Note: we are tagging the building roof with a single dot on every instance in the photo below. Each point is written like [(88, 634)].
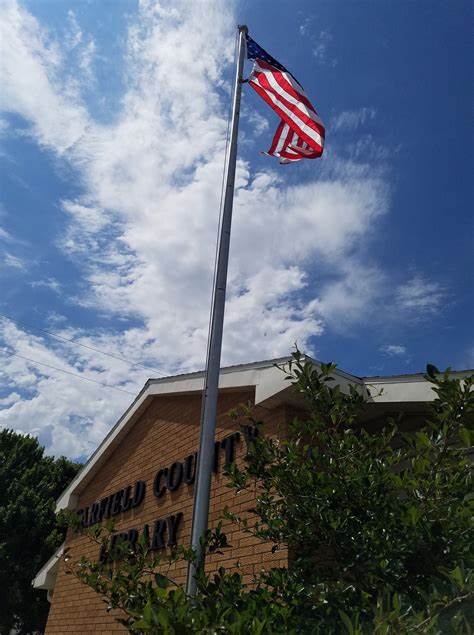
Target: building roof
[(384, 393), (271, 389), (46, 576)]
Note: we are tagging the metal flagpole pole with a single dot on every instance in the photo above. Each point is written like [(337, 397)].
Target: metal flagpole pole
[(211, 386)]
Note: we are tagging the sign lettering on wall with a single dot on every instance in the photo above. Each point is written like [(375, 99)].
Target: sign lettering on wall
[(163, 532)]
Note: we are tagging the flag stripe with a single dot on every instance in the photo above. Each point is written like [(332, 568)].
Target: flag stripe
[(288, 146), (268, 82), (278, 139), (290, 86), (272, 102), (309, 135)]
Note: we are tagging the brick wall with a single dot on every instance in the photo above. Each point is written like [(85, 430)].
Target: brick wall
[(167, 431)]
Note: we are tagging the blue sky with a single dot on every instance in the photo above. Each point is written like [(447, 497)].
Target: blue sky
[(113, 126)]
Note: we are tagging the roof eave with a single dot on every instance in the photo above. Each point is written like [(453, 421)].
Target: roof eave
[(46, 576)]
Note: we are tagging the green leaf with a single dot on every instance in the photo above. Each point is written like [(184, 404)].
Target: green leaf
[(431, 370), (163, 618), (465, 436), (141, 625), (457, 577), (347, 622), (161, 581), (148, 612)]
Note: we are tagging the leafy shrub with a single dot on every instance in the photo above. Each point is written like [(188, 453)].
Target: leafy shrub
[(378, 525)]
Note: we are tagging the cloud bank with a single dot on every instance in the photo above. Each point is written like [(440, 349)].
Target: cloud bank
[(142, 233)]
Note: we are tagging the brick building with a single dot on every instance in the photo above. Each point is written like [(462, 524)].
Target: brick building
[(142, 474)]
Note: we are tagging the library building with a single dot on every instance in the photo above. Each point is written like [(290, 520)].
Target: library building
[(142, 475)]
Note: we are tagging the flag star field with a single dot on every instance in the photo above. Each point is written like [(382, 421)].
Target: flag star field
[(113, 128)]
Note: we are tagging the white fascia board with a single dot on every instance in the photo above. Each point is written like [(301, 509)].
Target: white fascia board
[(187, 385), (400, 391), (46, 576), (404, 388), (273, 381), (267, 380)]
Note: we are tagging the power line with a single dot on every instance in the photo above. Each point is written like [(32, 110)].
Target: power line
[(68, 372), (91, 348)]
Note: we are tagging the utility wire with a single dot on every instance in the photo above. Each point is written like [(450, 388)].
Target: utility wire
[(67, 372), (91, 348)]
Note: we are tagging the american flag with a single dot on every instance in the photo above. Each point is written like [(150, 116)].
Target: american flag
[(300, 134)]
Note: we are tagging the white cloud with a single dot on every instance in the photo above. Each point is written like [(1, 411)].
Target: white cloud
[(74, 32), (4, 127), (257, 121), (143, 232), (321, 41), (322, 47), (14, 262), (393, 350), (352, 298), (78, 413), (10, 399), (29, 64), (83, 50), (352, 119), (420, 296), (365, 148), (305, 25), (5, 235), (48, 283), (55, 318), (86, 59)]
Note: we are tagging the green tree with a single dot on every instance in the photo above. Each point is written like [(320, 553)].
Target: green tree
[(29, 534), (378, 525)]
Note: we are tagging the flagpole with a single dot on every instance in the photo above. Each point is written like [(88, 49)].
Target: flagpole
[(211, 386)]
